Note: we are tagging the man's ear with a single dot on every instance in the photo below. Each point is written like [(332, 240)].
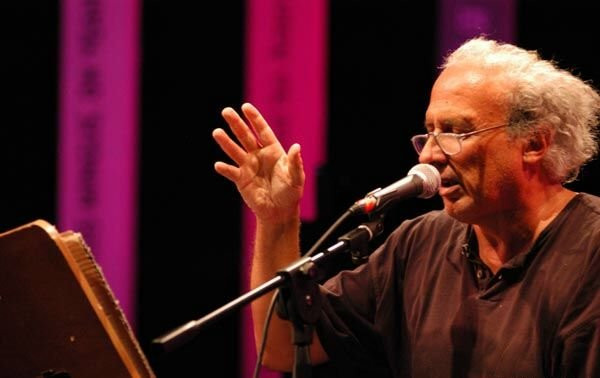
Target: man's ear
[(536, 146)]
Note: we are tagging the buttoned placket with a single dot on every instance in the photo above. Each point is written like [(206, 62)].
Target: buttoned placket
[(483, 274)]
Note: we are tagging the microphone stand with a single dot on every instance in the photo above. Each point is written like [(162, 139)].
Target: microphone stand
[(299, 299)]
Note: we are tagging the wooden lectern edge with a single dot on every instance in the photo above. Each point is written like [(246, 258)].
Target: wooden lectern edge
[(50, 229), (133, 366)]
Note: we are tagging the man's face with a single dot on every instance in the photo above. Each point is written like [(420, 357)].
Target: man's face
[(481, 181)]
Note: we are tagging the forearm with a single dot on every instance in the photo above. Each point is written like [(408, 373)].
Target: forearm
[(276, 246)]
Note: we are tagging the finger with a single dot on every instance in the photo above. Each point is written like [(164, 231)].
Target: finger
[(235, 152), (296, 167), (264, 132), (241, 131), (228, 171)]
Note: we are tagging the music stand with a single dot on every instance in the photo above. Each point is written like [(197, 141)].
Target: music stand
[(58, 316)]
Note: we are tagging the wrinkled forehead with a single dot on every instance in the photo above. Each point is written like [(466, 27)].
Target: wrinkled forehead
[(470, 93), (460, 76)]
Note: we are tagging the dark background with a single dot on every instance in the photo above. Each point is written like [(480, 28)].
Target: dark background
[(382, 64)]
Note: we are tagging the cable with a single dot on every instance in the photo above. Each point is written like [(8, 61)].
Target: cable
[(265, 332), (271, 308), (328, 233)]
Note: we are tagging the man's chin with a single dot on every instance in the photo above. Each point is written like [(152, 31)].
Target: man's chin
[(458, 208)]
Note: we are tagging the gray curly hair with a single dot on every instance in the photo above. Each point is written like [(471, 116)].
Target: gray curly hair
[(544, 99)]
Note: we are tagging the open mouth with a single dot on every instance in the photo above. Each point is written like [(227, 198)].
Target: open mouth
[(449, 186), (448, 182)]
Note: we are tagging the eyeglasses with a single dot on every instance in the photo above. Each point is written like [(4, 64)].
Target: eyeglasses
[(449, 143)]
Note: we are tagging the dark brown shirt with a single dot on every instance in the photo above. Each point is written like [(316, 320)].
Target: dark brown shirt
[(424, 305)]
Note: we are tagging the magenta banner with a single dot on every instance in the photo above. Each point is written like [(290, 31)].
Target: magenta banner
[(464, 19), (285, 77), (98, 119), (286, 65)]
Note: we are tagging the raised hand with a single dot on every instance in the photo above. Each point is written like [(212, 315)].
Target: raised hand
[(270, 180)]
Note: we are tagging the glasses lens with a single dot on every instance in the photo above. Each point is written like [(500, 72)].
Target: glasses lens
[(419, 142), (449, 143)]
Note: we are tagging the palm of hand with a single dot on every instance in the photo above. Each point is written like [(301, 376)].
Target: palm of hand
[(269, 179), (266, 184)]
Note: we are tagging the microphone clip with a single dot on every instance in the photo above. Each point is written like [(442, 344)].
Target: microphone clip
[(358, 239)]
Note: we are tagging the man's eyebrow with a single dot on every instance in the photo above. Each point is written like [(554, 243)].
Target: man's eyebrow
[(461, 126), (456, 125)]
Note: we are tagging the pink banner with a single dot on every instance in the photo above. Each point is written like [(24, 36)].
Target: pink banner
[(464, 19), (286, 66), (98, 135)]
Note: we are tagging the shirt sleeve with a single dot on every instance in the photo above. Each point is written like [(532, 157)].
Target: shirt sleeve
[(352, 319), (578, 351), (581, 352), (362, 317)]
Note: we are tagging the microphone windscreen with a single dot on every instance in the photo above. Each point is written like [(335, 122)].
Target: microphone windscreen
[(431, 179)]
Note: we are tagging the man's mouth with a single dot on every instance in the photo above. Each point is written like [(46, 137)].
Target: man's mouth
[(448, 185), (448, 182)]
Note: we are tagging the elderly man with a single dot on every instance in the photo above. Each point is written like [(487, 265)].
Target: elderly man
[(503, 282)]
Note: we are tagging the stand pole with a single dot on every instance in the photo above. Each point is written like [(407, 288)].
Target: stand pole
[(299, 299)]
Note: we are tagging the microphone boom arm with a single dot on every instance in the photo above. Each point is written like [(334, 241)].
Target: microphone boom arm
[(306, 268)]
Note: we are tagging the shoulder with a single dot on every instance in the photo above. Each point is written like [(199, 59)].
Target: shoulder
[(578, 264), (433, 231), (574, 250), (588, 203), (579, 224)]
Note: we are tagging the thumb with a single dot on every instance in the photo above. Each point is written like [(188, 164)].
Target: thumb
[(296, 166)]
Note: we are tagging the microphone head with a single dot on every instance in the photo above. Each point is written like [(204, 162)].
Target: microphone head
[(431, 179)]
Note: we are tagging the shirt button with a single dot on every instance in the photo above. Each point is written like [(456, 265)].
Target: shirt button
[(499, 276), (479, 274)]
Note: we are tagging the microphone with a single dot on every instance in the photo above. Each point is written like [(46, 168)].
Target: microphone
[(423, 181)]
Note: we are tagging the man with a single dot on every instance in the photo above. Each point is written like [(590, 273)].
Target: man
[(504, 281)]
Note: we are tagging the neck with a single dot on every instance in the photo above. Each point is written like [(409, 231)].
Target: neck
[(514, 232)]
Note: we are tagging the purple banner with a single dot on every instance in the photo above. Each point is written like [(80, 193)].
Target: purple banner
[(464, 19), (286, 65), (98, 120)]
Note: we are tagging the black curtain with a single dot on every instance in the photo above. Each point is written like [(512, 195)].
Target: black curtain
[(381, 69)]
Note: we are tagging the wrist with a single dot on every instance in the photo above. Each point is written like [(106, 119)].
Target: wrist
[(279, 225)]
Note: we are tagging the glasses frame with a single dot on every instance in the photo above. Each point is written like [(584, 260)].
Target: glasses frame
[(458, 137)]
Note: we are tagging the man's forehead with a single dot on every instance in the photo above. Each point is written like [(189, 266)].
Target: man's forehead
[(464, 76)]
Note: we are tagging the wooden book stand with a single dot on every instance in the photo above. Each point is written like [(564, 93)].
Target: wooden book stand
[(58, 316)]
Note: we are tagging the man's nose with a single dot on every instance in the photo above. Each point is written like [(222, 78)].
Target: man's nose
[(432, 153)]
